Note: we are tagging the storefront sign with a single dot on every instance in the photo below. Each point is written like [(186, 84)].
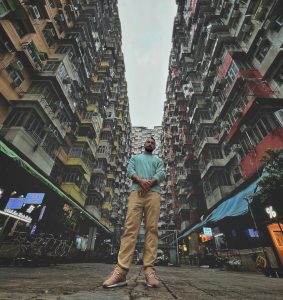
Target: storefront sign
[(34, 198), (15, 214), (207, 231), (15, 203), (271, 212)]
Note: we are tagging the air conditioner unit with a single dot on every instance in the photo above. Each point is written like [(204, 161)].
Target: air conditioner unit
[(52, 32), (19, 65), (8, 46), (59, 104), (61, 17), (235, 14), (267, 24), (26, 44), (225, 145), (43, 56), (224, 125), (236, 148), (259, 41), (217, 61), (213, 36), (48, 128), (243, 128), (16, 82), (71, 7), (246, 27), (34, 12), (236, 112), (55, 133), (67, 80), (279, 116)]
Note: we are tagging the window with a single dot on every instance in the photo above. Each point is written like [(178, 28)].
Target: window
[(51, 66), (15, 75), (246, 144), (220, 179), (101, 149), (206, 188), (35, 127), (36, 88), (215, 153), (278, 77), (236, 173), (3, 9), (73, 176), (209, 131), (232, 73), (50, 146), (261, 128), (204, 115), (100, 164), (263, 49), (76, 151), (279, 117), (63, 49), (19, 27), (50, 35), (16, 118)]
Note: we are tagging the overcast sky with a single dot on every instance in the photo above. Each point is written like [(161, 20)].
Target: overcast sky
[(146, 35)]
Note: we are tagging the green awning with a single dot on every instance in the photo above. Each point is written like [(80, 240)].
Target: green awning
[(25, 165)]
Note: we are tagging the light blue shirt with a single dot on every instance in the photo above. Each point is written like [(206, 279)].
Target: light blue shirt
[(146, 166)]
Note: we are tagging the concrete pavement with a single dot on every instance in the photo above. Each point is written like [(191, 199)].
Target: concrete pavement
[(83, 282)]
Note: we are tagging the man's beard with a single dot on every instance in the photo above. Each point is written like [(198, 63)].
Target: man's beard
[(148, 149)]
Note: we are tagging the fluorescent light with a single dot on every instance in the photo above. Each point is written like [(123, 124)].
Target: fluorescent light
[(219, 234), (13, 216)]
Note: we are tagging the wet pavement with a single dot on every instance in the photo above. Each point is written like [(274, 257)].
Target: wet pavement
[(83, 282)]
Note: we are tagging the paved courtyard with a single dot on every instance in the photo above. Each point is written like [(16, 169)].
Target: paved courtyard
[(83, 282)]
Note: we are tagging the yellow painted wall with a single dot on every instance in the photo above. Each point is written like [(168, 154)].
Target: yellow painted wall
[(74, 191)]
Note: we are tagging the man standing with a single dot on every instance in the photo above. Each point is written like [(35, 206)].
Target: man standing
[(146, 172)]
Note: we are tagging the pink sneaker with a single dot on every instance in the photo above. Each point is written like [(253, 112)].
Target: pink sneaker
[(117, 278)]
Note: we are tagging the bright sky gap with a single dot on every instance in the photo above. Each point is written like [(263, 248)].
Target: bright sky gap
[(146, 34)]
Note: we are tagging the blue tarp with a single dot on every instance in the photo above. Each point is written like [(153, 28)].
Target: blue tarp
[(232, 207)]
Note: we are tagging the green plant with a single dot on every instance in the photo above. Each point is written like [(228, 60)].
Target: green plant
[(271, 183)]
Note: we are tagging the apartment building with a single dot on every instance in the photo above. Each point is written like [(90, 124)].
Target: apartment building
[(223, 108), (63, 98)]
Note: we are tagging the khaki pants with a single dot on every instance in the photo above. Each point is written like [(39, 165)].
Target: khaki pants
[(149, 204)]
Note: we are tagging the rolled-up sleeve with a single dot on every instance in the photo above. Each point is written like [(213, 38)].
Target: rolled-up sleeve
[(160, 173), (131, 168)]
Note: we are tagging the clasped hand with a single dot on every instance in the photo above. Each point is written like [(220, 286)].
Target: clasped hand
[(145, 184)]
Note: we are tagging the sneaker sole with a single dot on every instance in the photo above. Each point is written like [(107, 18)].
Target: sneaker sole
[(150, 286), (120, 284)]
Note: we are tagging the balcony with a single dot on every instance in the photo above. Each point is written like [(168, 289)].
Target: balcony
[(218, 194), (31, 99), (215, 163), (62, 79), (204, 142), (33, 55), (32, 146), (75, 191), (79, 156), (181, 179), (94, 120), (185, 208), (91, 144)]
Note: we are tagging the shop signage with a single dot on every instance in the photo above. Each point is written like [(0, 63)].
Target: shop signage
[(15, 203), (207, 231), (17, 215), (34, 198), (271, 212)]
